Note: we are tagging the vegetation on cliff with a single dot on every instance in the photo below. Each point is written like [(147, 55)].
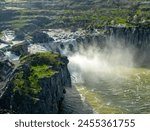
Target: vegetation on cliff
[(77, 14), (33, 68)]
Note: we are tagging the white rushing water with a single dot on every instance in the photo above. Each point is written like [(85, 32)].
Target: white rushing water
[(3, 45), (12, 56), (34, 48), (8, 35)]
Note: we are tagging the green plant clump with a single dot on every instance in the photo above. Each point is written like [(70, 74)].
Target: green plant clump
[(46, 58)]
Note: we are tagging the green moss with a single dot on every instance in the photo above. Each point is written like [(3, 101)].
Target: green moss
[(19, 82), (120, 20), (26, 86), (42, 71)]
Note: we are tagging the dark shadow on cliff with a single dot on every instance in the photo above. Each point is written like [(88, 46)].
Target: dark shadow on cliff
[(73, 104)]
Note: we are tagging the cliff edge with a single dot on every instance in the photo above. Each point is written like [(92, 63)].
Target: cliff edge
[(38, 84)]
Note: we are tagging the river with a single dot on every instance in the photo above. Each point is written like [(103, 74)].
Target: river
[(111, 85), (128, 93)]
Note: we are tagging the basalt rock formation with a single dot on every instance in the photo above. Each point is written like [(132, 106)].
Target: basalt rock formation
[(38, 85), (138, 36)]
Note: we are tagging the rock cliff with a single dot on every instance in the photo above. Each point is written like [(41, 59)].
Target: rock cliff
[(138, 36), (38, 85)]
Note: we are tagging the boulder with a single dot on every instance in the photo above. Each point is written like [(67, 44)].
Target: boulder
[(40, 37), (20, 49)]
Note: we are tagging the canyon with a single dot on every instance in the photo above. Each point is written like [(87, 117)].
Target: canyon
[(66, 57)]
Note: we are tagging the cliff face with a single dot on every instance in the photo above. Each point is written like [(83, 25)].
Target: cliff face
[(93, 38), (37, 89), (53, 90), (138, 36), (134, 38)]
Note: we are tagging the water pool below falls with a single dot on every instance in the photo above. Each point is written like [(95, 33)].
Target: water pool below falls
[(123, 90)]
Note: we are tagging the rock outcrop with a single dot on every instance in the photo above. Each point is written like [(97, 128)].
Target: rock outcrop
[(38, 85), (20, 49), (40, 37)]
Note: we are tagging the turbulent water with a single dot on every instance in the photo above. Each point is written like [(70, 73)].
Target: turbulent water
[(110, 82), (128, 93)]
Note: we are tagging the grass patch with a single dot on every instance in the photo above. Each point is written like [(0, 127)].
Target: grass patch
[(47, 58), (19, 23), (42, 71)]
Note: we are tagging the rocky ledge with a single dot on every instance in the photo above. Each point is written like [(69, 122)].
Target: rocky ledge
[(38, 84)]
